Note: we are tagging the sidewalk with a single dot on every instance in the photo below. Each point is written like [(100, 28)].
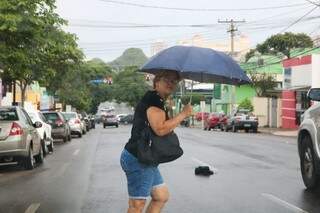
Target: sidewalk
[(279, 132)]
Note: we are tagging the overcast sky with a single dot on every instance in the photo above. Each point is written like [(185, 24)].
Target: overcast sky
[(89, 20)]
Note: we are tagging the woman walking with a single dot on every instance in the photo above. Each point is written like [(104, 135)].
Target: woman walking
[(146, 180)]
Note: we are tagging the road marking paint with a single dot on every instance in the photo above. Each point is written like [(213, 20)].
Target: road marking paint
[(283, 203), (32, 208), (76, 152), (215, 170)]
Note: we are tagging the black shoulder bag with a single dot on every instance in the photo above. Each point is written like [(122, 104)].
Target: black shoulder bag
[(153, 149)]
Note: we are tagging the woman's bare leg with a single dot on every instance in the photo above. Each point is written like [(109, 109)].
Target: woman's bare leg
[(160, 196)]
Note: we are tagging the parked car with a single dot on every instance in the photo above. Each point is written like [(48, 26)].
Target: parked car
[(83, 124), (86, 121), (128, 119), (215, 120), (120, 116), (185, 122), (92, 121), (44, 131), (60, 127), (199, 116), (110, 120), (74, 122), (242, 120), (19, 139), (308, 142)]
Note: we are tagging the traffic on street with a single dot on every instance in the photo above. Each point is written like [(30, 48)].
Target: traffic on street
[(252, 173), (159, 106)]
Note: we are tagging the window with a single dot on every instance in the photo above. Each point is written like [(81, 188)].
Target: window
[(26, 117), (8, 114)]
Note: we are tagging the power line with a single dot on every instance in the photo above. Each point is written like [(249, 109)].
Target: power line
[(145, 26), (314, 3), (200, 9), (299, 19)]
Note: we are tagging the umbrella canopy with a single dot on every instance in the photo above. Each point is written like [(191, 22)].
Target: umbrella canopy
[(198, 64)]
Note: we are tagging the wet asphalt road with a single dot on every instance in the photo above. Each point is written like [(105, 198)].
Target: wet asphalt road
[(256, 173)]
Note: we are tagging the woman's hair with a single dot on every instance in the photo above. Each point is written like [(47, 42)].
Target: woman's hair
[(163, 73)]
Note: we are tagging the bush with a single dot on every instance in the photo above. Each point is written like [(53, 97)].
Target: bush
[(246, 104)]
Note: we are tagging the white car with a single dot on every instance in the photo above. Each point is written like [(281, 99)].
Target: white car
[(44, 131), (309, 142), (74, 123), (119, 116)]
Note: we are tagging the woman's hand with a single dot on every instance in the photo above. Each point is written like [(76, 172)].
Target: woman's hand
[(187, 110)]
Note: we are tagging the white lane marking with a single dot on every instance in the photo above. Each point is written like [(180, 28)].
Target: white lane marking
[(32, 208), (76, 152), (215, 170), (283, 203)]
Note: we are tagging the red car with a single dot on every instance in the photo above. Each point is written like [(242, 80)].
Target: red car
[(199, 116), (215, 120)]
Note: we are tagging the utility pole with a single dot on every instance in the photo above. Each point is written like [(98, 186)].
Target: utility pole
[(232, 31)]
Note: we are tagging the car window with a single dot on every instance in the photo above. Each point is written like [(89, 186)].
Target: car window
[(8, 114), (42, 117), (32, 116), (26, 116), (69, 116), (51, 116)]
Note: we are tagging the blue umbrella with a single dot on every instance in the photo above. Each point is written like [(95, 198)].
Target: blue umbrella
[(198, 64)]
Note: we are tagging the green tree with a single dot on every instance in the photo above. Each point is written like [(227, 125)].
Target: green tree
[(249, 55), (32, 45), (284, 43), (246, 104), (129, 86), (262, 82)]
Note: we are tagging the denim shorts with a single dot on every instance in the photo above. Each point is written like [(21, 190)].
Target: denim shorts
[(141, 178)]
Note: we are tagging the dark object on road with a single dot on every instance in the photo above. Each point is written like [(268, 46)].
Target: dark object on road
[(203, 170), (198, 64)]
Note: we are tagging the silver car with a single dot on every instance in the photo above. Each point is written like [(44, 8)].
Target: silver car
[(19, 139), (74, 122), (309, 142)]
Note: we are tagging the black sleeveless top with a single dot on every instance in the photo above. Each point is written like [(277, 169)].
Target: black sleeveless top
[(151, 98)]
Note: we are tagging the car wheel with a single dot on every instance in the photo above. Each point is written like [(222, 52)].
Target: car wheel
[(29, 160), (39, 157), (246, 130), (117, 125), (50, 147), (65, 138), (308, 164), (104, 126), (44, 148), (234, 128)]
